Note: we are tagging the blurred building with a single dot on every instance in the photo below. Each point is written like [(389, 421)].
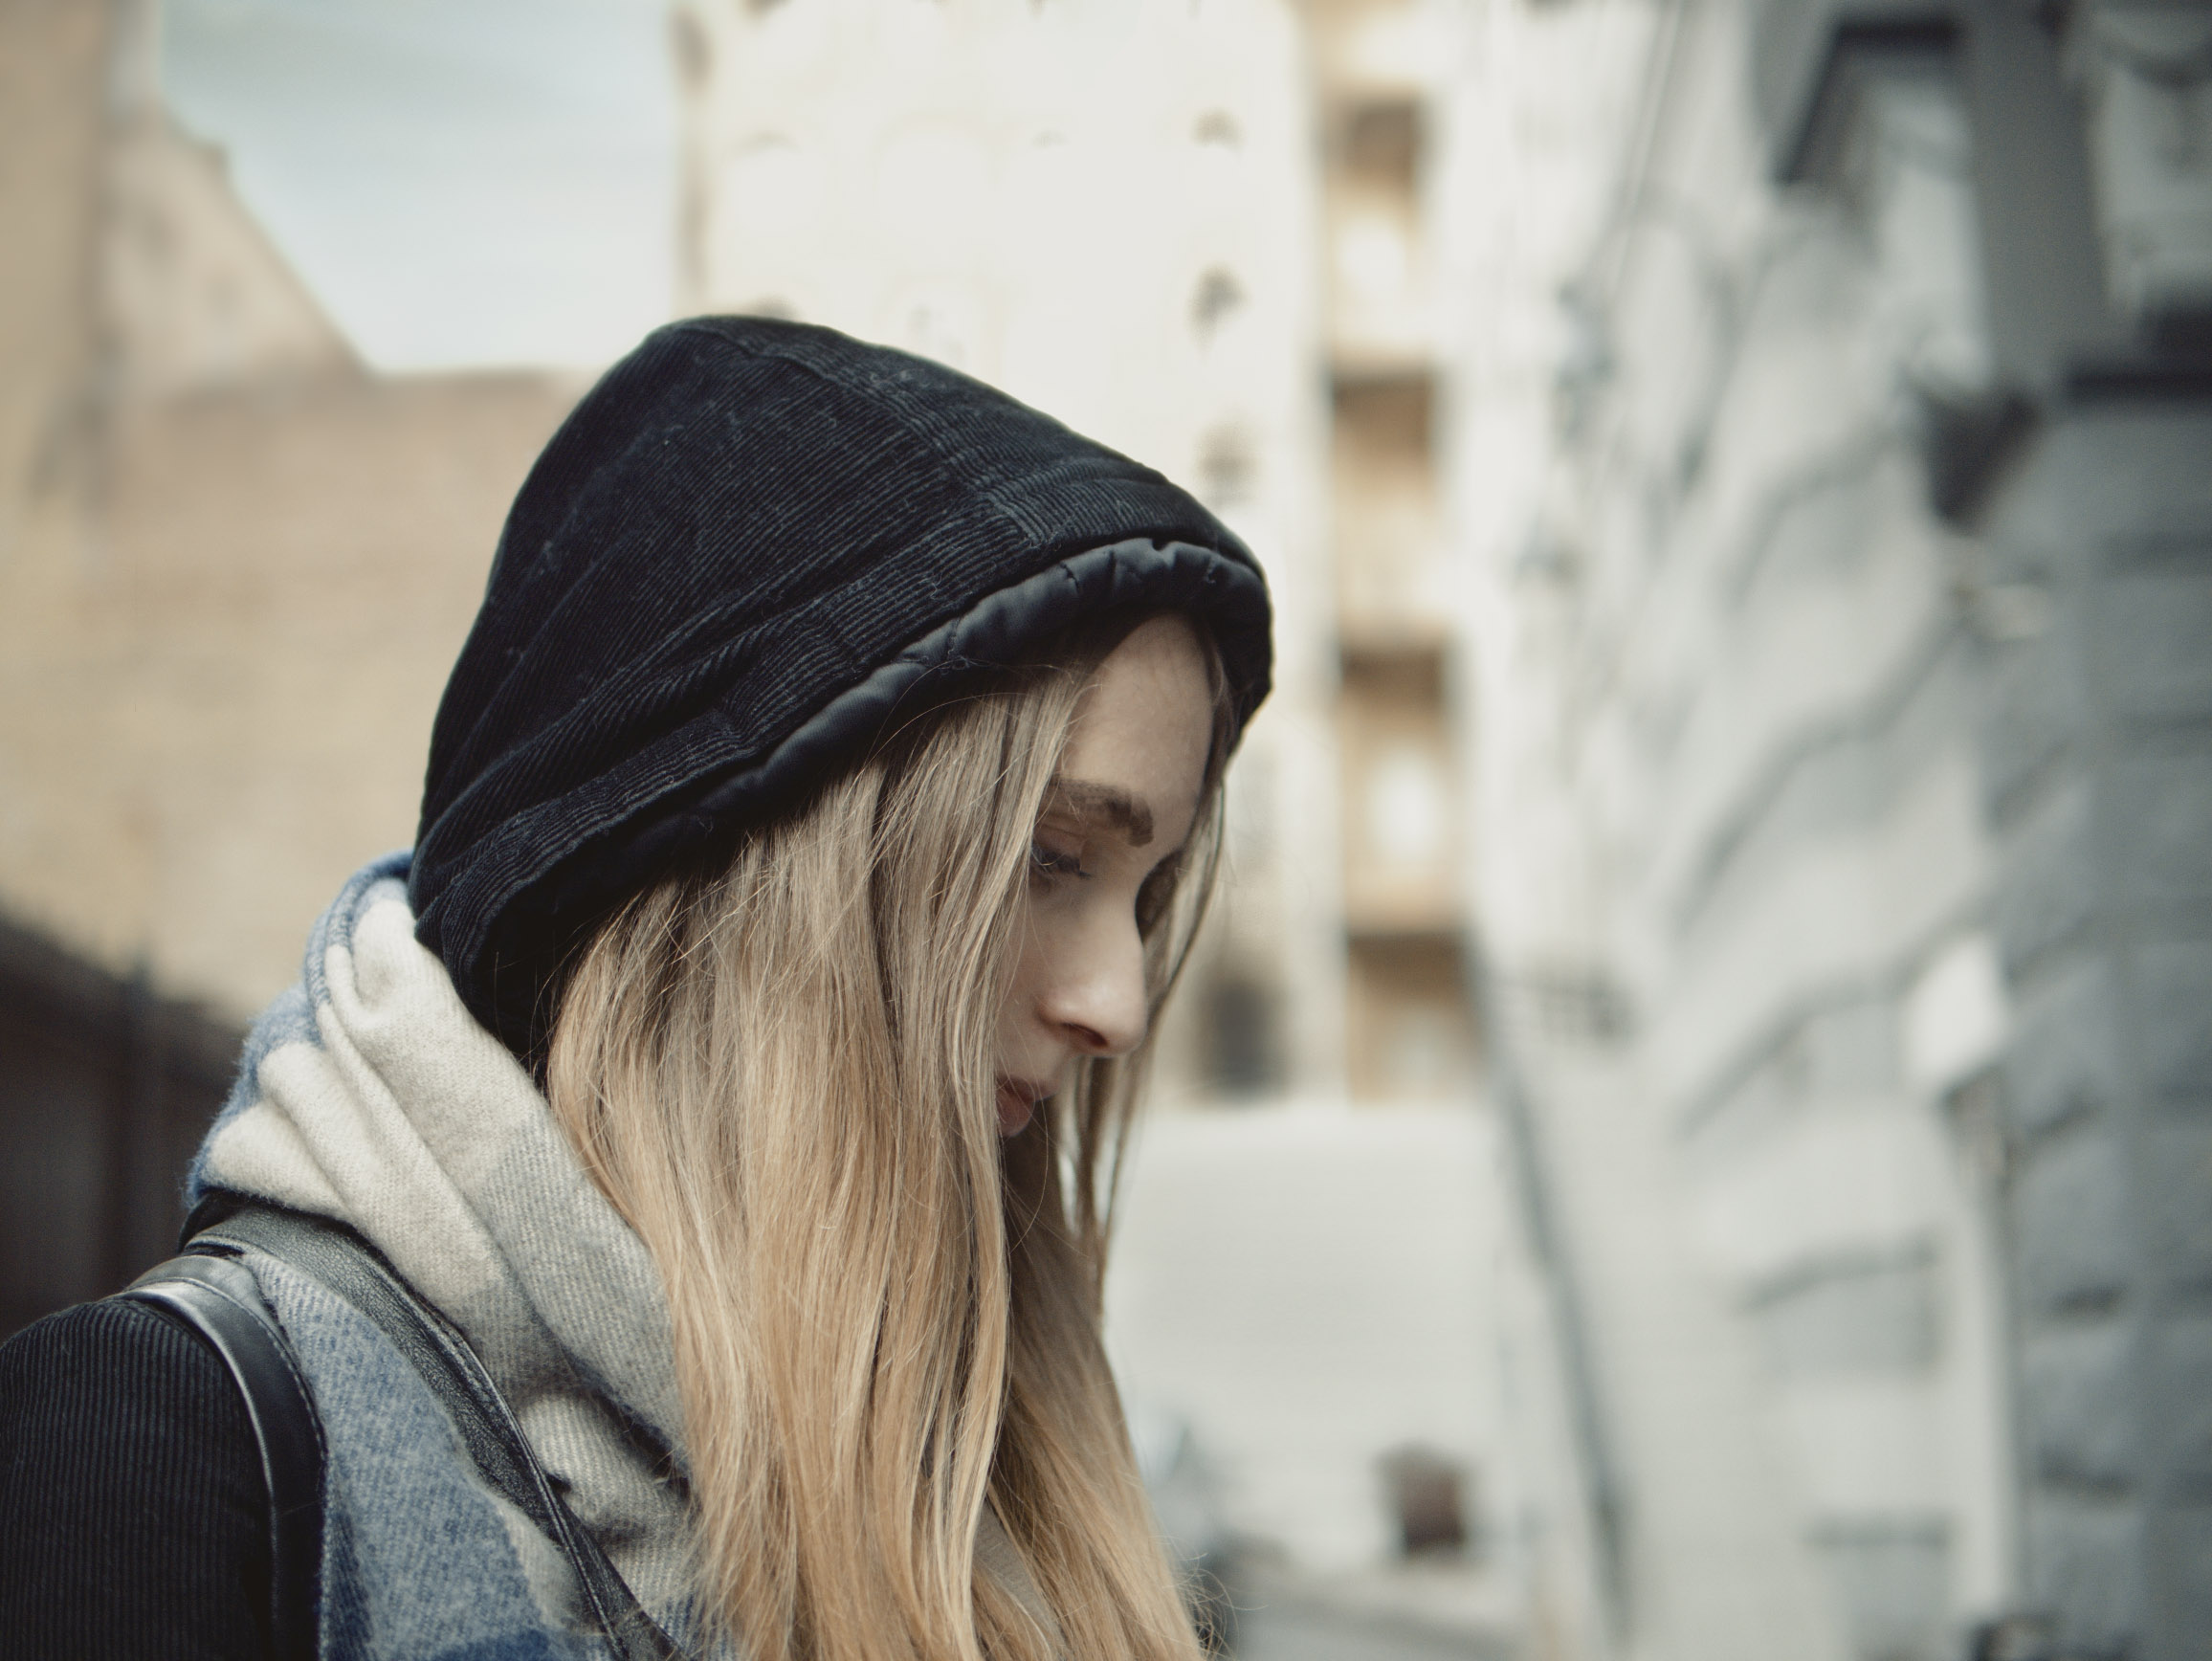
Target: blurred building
[(1694, 1137), (1397, 627), (235, 569), (1828, 439)]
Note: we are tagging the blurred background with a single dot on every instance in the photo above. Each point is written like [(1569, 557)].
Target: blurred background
[(1691, 1135)]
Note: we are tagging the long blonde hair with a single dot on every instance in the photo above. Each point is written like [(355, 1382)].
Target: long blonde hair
[(780, 1072)]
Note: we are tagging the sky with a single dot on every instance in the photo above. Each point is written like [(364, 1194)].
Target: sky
[(463, 182)]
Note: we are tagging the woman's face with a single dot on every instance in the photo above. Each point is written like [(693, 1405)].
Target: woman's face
[(1120, 808)]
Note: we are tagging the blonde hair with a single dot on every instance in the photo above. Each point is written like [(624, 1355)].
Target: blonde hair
[(781, 1071)]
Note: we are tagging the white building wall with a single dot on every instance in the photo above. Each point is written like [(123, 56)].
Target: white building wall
[(1726, 728)]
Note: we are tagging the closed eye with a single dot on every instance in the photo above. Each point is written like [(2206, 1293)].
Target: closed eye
[(1046, 862)]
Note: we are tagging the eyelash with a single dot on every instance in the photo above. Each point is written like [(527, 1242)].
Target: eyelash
[(1046, 864)]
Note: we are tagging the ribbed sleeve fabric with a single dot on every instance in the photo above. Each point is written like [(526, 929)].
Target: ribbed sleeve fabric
[(133, 1521)]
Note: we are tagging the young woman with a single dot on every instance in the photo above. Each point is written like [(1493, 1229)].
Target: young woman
[(737, 1064)]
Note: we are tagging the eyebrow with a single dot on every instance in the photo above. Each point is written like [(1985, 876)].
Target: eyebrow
[(1117, 806)]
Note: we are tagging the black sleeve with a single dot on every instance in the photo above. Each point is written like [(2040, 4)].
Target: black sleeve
[(133, 1521)]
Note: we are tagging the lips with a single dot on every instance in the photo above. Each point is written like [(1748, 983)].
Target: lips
[(1018, 1099)]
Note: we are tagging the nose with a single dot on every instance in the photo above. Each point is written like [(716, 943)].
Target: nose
[(1096, 997)]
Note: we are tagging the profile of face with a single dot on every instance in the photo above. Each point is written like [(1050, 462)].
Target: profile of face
[(1119, 808)]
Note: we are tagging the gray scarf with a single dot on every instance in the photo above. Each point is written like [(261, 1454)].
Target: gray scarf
[(368, 1094)]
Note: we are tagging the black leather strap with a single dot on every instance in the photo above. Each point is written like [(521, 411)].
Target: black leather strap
[(353, 1269), (218, 1299)]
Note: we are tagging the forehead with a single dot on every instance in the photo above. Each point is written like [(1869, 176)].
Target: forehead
[(1141, 733)]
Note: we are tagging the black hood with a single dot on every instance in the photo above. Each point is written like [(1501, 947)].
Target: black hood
[(746, 544)]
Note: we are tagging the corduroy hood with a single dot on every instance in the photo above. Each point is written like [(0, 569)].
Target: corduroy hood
[(746, 544)]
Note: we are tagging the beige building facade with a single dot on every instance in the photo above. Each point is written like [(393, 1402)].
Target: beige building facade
[(234, 565)]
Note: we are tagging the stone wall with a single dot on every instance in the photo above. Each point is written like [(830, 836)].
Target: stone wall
[(2099, 779)]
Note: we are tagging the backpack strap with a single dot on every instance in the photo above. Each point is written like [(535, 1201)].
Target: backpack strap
[(350, 1267), (220, 1301)]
